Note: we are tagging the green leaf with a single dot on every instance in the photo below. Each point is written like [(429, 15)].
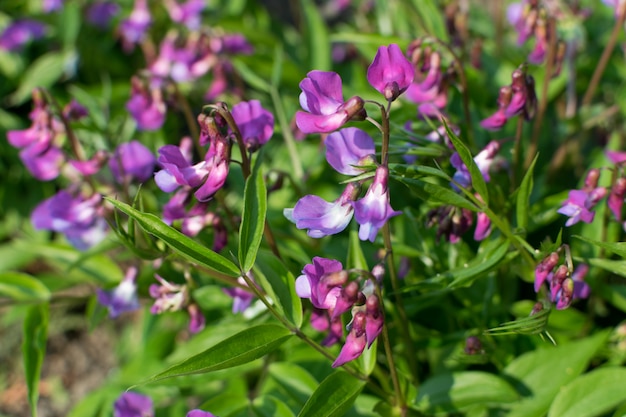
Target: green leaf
[(495, 253), (180, 243), (250, 76), (522, 207), (592, 394), (296, 381), (431, 19), (34, 349), (356, 257), (23, 287), (333, 397), (280, 284), (433, 192), (43, 72), (317, 36), (534, 324), (544, 371), (241, 348), (478, 181), (417, 171), (69, 24), (454, 391), (253, 219), (618, 248), (617, 267), (268, 406)]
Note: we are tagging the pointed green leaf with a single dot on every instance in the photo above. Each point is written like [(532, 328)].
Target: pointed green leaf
[(356, 257), (23, 287), (43, 72), (559, 365), (249, 76), (522, 207), (317, 36), (495, 253), (428, 191), (534, 324), (268, 406), (295, 380), (334, 396), (253, 219), (592, 394), (241, 348), (455, 391), (280, 284), (180, 243), (34, 349), (618, 248), (417, 171), (478, 181)]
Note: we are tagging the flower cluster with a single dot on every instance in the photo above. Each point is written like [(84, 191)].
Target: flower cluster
[(564, 284), (429, 90), (327, 285), (515, 99)]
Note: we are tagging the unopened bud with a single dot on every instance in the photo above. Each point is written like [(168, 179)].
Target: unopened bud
[(591, 180), (505, 95)]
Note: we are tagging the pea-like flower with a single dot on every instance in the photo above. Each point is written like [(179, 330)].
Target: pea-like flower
[(349, 148), (132, 161), (255, 124), (322, 100), (132, 404), (390, 73), (19, 33), (373, 210), (123, 297)]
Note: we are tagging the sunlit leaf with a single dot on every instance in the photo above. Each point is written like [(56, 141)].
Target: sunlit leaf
[(252, 219), (34, 349), (334, 396)]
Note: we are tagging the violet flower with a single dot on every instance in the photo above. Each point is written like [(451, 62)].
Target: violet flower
[(131, 404), (147, 107), (134, 28), (241, 298), (51, 5), (349, 148), (182, 57), (100, 13), (168, 296), (373, 210), (132, 161), (199, 413), (544, 269), (123, 297), (322, 100), (579, 205), (77, 217), (197, 321), (390, 73), (255, 124), (320, 217), (483, 226), (308, 285), (188, 13), (616, 198), (19, 33), (484, 160)]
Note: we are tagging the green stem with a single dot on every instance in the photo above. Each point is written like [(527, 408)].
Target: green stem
[(296, 163)]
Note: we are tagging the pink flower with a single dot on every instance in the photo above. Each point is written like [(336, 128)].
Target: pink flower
[(390, 73)]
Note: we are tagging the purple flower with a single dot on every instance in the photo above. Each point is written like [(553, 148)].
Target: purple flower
[(390, 73), (218, 165), (484, 160), (19, 33), (373, 210), (77, 217), (616, 198), (348, 148), (308, 285), (131, 404), (177, 169), (581, 288), (242, 298), (255, 124), (187, 13), (577, 208), (320, 217), (168, 296), (322, 98), (483, 226), (146, 107), (196, 318), (544, 269), (122, 298), (90, 166), (199, 413), (132, 161), (134, 28), (100, 13), (374, 319), (182, 57), (355, 341), (43, 160), (51, 5)]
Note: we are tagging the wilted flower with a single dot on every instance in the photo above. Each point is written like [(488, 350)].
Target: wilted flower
[(322, 98)]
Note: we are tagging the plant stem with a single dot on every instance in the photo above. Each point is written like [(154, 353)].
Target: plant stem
[(543, 103), (296, 163), (517, 153), (604, 59)]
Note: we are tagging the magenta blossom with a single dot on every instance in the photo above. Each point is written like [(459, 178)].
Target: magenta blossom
[(322, 218), (122, 298), (199, 413), (355, 341), (242, 298), (322, 100), (255, 124), (308, 285), (373, 210), (146, 106), (131, 404), (484, 160), (134, 28), (188, 13), (100, 13), (132, 161), (576, 209), (19, 33), (390, 73), (348, 148)]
